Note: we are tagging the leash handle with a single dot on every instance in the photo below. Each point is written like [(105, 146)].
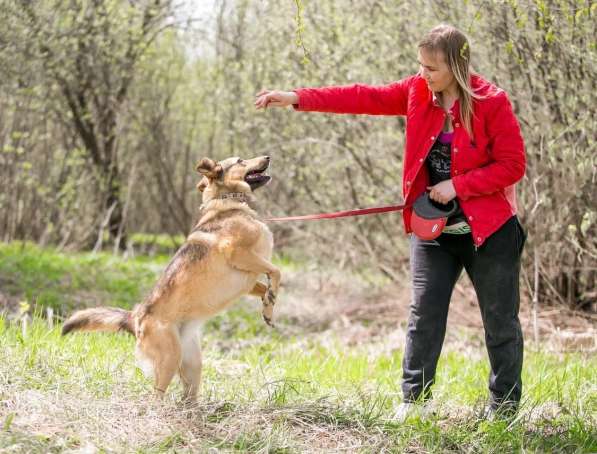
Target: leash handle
[(342, 214)]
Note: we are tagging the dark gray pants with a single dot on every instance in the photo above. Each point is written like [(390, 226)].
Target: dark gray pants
[(494, 271)]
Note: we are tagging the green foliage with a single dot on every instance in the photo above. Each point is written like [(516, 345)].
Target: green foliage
[(300, 29), (152, 244)]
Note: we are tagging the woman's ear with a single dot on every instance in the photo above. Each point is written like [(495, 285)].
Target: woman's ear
[(202, 184), (209, 168)]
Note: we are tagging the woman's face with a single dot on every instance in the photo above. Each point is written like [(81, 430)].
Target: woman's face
[(435, 70)]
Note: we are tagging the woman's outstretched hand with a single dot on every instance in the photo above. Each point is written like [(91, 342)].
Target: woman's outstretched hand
[(275, 98)]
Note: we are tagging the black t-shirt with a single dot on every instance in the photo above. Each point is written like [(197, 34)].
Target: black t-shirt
[(438, 163)]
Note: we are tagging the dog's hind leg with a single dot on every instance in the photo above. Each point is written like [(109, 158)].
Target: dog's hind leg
[(162, 347), (190, 368)]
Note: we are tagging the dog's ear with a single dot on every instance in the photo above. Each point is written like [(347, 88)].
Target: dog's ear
[(205, 165), (209, 168), (202, 184)]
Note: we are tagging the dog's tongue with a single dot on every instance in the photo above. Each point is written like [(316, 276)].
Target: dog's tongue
[(255, 176)]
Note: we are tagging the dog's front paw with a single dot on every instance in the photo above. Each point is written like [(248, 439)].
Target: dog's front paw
[(269, 300), (268, 318)]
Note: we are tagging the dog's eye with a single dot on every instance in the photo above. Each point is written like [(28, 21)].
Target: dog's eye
[(240, 161)]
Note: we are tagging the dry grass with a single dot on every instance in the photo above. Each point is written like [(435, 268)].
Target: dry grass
[(123, 423)]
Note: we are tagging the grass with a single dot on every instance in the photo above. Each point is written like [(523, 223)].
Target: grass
[(48, 278), (288, 389)]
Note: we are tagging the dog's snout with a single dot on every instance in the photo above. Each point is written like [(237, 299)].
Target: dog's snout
[(267, 158)]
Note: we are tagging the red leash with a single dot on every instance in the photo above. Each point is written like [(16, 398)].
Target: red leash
[(342, 214)]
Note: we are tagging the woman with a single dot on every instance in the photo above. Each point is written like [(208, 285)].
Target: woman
[(463, 142)]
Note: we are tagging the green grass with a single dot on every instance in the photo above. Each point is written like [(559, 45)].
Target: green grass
[(269, 392), (153, 244), (47, 278), (264, 390)]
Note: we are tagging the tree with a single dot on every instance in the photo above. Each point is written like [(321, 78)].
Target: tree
[(87, 52)]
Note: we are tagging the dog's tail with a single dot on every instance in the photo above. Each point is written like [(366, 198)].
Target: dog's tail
[(109, 319)]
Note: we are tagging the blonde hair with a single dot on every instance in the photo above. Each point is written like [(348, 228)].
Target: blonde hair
[(454, 46)]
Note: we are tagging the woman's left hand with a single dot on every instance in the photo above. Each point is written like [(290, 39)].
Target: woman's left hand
[(442, 192)]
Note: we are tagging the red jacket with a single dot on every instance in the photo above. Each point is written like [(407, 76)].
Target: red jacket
[(484, 169)]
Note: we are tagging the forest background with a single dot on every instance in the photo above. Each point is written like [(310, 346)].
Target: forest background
[(105, 106)]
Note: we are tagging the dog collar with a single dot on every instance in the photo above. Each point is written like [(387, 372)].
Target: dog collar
[(240, 196)]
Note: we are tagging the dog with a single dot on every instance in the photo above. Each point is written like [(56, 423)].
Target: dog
[(221, 260)]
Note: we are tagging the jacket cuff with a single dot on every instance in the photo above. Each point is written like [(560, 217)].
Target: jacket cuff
[(300, 104), (460, 187)]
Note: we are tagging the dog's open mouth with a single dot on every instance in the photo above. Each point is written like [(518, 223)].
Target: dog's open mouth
[(257, 178)]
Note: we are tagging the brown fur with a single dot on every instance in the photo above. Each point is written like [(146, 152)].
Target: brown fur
[(221, 260)]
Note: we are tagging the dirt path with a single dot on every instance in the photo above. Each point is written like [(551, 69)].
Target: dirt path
[(335, 300)]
